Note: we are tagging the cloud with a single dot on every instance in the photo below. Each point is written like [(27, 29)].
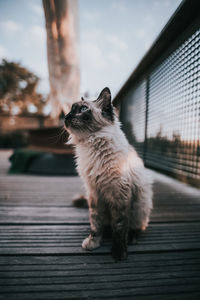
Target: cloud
[(119, 6), (141, 33), (37, 9), (116, 42), (10, 26), (107, 40), (93, 55), (41, 68), (167, 3), (38, 33), (90, 16), (94, 35), (102, 54), (92, 49), (36, 39), (144, 37), (114, 57), (3, 52), (149, 22), (99, 50)]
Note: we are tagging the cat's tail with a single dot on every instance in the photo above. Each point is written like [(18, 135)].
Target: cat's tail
[(80, 202)]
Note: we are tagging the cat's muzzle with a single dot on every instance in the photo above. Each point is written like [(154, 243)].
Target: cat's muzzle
[(68, 119)]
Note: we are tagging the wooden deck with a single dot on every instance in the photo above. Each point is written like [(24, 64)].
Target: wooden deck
[(41, 234)]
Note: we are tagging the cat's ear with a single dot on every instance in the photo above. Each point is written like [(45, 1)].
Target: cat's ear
[(105, 95), (104, 101)]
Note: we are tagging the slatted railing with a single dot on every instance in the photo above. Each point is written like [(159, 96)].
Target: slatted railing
[(160, 103)]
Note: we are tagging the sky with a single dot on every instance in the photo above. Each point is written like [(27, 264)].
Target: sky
[(114, 36)]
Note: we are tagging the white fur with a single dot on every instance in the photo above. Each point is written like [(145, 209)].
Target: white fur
[(112, 170)]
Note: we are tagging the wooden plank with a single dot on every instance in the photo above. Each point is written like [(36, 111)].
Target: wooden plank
[(101, 260), (63, 249), (45, 215), (105, 285), (139, 267), (84, 272), (153, 230), (58, 293), (50, 278), (77, 238), (104, 268), (180, 296), (68, 239), (17, 215)]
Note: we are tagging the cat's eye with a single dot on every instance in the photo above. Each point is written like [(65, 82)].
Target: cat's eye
[(83, 108)]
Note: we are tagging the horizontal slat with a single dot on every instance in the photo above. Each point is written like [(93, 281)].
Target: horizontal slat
[(68, 239), (92, 259), (48, 215), (92, 286), (58, 293), (76, 249)]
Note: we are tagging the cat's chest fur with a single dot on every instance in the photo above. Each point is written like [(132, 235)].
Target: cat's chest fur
[(98, 159), (93, 158)]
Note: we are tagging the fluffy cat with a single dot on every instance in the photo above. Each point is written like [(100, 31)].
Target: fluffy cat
[(119, 192)]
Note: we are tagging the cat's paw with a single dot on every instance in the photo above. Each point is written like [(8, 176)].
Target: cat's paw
[(91, 243), (119, 252)]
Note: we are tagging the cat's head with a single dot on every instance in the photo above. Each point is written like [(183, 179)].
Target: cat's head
[(90, 116)]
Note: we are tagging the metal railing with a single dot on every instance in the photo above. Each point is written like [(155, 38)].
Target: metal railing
[(160, 102)]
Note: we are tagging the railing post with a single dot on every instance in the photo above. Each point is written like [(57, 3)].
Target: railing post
[(146, 118)]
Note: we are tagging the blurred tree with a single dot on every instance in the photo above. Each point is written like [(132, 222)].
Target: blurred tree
[(62, 49), (18, 93)]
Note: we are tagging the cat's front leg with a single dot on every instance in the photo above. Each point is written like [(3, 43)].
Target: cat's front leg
[(119, 233), (94, 240)]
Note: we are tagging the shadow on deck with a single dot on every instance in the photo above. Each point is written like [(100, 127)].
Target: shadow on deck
[(41, 234)]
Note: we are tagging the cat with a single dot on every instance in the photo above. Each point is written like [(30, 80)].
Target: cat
[(119, 191)]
